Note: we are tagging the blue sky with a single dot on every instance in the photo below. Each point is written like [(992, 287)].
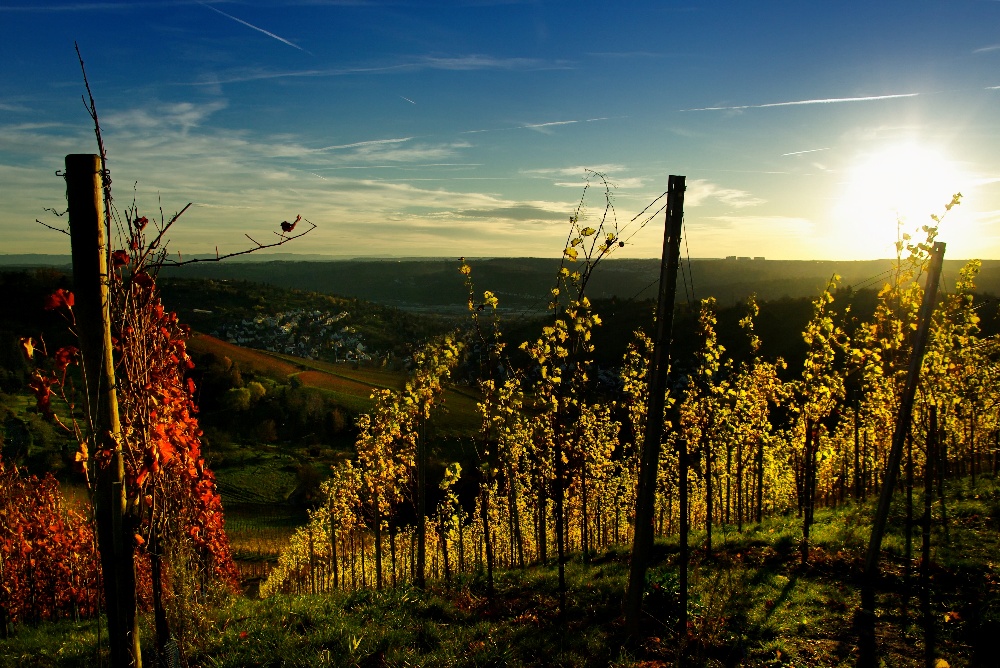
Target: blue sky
[(466, 127)]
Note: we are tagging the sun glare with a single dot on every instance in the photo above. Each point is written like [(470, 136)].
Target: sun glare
[(905, 182)]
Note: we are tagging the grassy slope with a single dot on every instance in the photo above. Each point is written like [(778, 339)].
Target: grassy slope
[(350, 386), (751, 604), (256, 360), (266, 473)]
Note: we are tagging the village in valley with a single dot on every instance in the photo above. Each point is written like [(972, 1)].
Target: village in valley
[(310, 334)]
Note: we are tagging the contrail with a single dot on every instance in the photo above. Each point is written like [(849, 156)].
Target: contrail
[(812, 150), (831, 100), (532, 126), (250, 25), (371, 142), (408, 100), (535, 126)]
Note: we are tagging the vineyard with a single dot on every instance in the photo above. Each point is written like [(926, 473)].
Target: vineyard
[(763, 477)]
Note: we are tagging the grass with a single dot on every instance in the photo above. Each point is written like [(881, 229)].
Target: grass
[(393, 380), (751, 604)]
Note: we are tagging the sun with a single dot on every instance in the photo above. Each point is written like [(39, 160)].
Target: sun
[(905, 182)]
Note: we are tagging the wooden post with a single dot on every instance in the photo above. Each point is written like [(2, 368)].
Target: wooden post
[(642, 542), (85, 195), (868, 650)]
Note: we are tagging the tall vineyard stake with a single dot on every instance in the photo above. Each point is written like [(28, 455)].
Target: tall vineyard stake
[(868, 650), (642, 544), (85, 195)]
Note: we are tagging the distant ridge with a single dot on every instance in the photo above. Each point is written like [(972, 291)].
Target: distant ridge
[(524, 284), (34, 260)]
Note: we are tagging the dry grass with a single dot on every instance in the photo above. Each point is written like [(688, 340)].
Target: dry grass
[(338, 384), (245, 357)]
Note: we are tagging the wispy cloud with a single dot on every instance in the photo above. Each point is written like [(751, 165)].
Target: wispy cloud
[(533, 126), (539, 127), (483, 62), (522, 212), (545, 128), (811, 150), (250, 25), (784, 223), (575, 170), (410, 153), (242, 182), (91, 6), (611, 171), (625, 183), (986, 49), (182, 115), (829, 100), (416, 165), (626, 54), (699, 191), (371, 142), (25, 127), (460, 63)]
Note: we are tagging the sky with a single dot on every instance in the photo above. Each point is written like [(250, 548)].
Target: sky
[(813, 131)]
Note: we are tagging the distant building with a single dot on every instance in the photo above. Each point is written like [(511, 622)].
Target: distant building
[(742, 258), (759, 257), (730, 257)]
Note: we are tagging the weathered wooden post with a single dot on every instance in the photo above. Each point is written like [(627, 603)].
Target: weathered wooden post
[(642, 543), (85, 195)]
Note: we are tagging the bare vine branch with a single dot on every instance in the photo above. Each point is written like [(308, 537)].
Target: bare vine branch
[(51, 228), (218, 258)]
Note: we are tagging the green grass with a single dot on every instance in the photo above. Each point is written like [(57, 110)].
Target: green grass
[(751, 604)]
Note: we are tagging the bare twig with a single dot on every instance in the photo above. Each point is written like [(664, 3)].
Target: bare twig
[(155, 243), (259, 246), (50, 227), (92, 110)]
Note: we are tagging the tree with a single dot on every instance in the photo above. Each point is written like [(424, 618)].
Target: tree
[(423, 393), (385, 446), (818, 394)]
